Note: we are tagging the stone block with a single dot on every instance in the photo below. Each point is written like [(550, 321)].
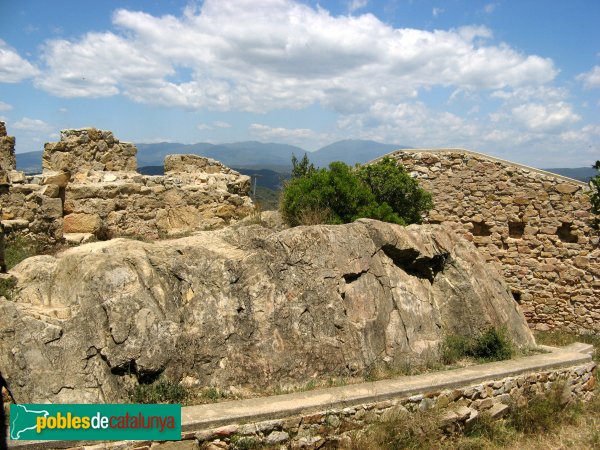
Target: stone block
[(82, 223)]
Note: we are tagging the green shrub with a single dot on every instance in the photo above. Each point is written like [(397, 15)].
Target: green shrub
[(543, 412), (454, 348), (244, 443), (6, 287), (18, 250), (491, 345), (392, 185), (340, 194), (161, 391)]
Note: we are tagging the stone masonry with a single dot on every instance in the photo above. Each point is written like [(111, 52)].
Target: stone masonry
[(89, 189), (89, 149), (534, 224)]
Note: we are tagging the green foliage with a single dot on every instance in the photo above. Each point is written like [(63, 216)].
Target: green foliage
[(540, 413), (558, 338), (244, 443), (491, 345), (454, 348), (18, 250), (302, 168), (161, 391), (339, 194), (595, 197), (6, 287), (392, 185)]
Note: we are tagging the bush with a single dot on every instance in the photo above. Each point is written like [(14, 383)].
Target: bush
[(6, 287), (340, 194), (18, 250), (392, 185), (161, 391), (491, 345)]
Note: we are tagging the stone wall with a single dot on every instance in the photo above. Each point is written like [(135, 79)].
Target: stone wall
[(89, 189), (534, 224), (337, 427), (7, 150), (89, 149), (333, 417)]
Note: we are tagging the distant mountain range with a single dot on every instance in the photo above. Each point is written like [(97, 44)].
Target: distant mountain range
[(250, 154), (251, 157)]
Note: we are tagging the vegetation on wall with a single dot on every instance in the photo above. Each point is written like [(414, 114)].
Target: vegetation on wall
[(341, 194)]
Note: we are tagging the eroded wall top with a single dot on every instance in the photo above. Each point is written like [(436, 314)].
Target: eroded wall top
[(89, 149), (7, 150)]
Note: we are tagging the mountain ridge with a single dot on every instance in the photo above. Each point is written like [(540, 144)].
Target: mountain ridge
[(257, 155)]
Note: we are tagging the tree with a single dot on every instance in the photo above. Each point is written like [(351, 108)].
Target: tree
[(595, 198), (340, 194), (301, 168)]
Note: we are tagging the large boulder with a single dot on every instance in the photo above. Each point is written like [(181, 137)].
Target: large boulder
[(244, 306)]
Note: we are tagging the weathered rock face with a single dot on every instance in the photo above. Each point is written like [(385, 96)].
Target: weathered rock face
[(244, 305), (88, 149)]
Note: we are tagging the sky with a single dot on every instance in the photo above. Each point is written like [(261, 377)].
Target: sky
[(517, 79)]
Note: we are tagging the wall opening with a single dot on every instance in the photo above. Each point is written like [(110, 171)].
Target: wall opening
[(517, 296), (481, 229), (516, 229), (565, 234)]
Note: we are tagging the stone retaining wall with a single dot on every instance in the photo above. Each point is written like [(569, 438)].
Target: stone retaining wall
[(336, 427), (534, 224), (329, 418)]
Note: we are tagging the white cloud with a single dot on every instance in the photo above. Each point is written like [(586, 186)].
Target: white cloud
[(590, 79), (545, 118), (354, 5), (260, 56), (490, 7), (13, 68), (302, 137), (213, 125), (5, 106), (437, 11), (32, 125)]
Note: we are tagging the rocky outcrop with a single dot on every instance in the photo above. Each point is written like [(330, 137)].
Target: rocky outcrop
[(244, 306)]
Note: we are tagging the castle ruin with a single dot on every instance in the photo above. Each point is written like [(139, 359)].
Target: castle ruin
[(89, 188), (535, 225)]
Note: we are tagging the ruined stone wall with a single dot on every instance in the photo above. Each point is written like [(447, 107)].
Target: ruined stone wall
[(89, 188), (89, 149), (7, 150), (130, 204), (534, 224)]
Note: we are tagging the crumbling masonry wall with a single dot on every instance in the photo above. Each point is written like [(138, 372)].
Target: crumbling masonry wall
[(535, 225), (89, 189)]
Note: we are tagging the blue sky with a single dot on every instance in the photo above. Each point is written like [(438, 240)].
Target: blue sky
[(515, 79)]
